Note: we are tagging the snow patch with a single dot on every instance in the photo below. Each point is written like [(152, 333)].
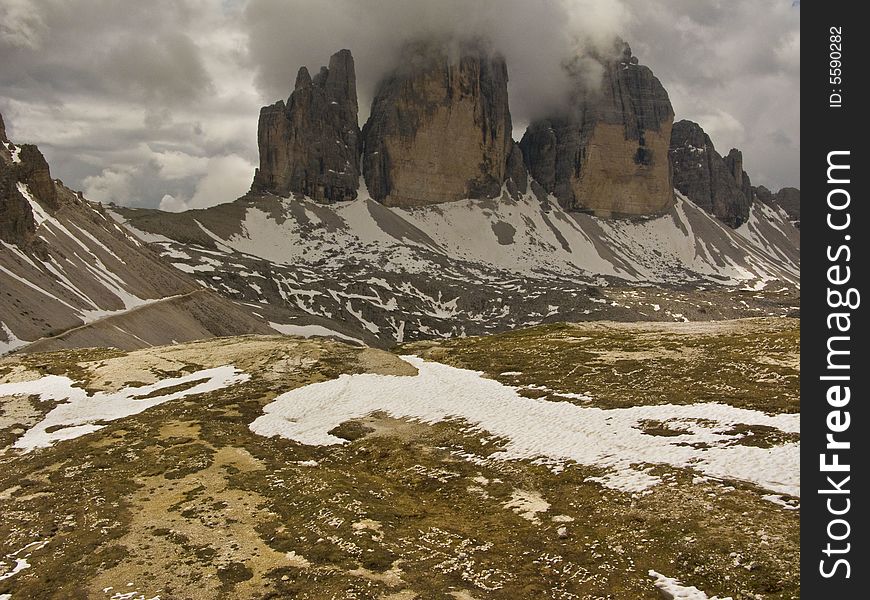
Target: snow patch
[(552, 433), (80, 413), (308, 331), (15, 151), (674, 590), (528, 505), (21, 562), (780, 501), (12, 341)]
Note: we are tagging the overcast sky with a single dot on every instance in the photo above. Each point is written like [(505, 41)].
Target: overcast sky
[(156, 103)]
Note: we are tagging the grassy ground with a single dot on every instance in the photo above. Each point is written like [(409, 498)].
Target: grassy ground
[(183, 501)]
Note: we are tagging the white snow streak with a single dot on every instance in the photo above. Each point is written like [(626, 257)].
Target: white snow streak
[(551, 433), (80, 413), (15, 151), (674, 590), (12, 341), (312, 331)]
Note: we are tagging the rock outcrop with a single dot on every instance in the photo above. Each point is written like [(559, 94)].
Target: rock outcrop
[(440, 128), (516, 175), (16, 217), (788, 199), (718, 185), (310, 144), (33, 170), (608, 153), (23, 169)]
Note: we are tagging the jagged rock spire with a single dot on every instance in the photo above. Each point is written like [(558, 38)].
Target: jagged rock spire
[(718, 185), (310, 144)]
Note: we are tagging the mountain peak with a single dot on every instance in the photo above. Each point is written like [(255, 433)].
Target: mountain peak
[(440, 127), (607, 153), (310, 145), (718, 185), (24, 179), (303, 78), (787, 198)]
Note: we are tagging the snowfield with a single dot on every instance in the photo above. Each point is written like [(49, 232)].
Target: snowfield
[(80, 413), (552, 433)]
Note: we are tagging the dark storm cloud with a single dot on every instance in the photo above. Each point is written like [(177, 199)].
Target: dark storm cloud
[(735, 68), (535, 36), (157, 102), (131, 101), (128, 50)]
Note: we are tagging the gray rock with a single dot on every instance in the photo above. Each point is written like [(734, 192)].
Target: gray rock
[(440, 128), (33, 170), (788, 198), (718, 185), (310, 145), (16, 218), (516, 174), (607, 153), (17, 224), (734, 161)]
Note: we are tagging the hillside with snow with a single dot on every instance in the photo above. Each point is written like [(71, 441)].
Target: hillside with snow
[(395, 274), (70, 276)]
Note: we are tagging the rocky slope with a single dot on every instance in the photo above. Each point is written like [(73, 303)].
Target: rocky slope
[(70, 273), (718, 185), (440, 128), (788, 199), (607, 154), (366, 270), (310, 144)]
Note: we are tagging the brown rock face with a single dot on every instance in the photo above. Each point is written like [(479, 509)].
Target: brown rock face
[(33, 170), (27, 168), (607, 154), (440, 129), (16, 218), (718, 185), (310, 145), (516, 174)]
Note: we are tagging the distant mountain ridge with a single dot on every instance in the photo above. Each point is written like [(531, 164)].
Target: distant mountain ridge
[(430, 221), (440, 131), (393, 274)]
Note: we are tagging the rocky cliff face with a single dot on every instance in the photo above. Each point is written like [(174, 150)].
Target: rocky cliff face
[(23, 169), (440, 129), (16, 218), (718, 185), (608, 154), (310, 144), (788, 198)]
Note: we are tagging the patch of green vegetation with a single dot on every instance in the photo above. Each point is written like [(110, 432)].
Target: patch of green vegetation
[(233, 573), (653, 427), (750, 365), (173, 389), (352, 430)]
